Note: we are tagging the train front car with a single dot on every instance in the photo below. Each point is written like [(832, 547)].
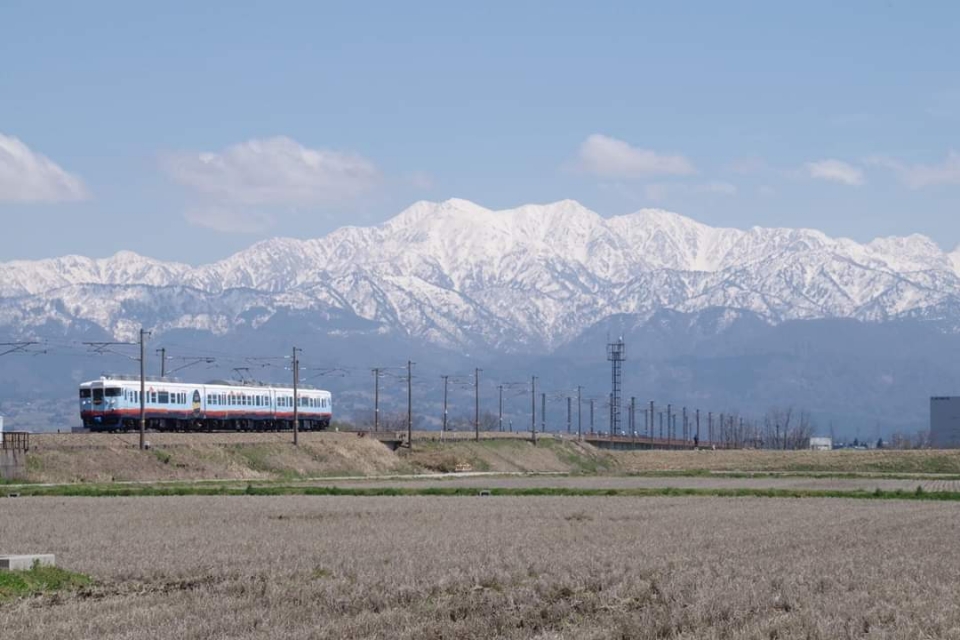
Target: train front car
[(105, 404)]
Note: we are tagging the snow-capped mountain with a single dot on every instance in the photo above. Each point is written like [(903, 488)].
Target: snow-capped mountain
[(521, 280)]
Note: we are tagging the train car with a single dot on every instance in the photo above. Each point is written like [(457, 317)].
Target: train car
[(112, 403)]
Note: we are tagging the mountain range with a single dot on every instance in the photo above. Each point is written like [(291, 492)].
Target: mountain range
[(535, 282)]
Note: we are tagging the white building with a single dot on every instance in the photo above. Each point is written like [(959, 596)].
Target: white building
[(945, 422), (821, 444)]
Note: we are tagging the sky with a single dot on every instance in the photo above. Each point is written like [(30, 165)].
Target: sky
[(190, 130)]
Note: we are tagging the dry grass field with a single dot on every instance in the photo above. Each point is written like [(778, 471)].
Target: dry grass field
[(617, 482), (490, 567), (840, 461)]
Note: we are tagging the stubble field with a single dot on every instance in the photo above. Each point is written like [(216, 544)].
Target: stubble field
[(489, 567)]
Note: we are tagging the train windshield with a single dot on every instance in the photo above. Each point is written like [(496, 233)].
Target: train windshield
[(98, 395), (113, 392), (84, 393)]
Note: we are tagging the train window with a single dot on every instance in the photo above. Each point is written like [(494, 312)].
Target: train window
[(153, 397), (84, 393), (98, 395), (113, 392), (163, 397)]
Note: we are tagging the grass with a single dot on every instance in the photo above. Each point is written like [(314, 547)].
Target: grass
[(556, 567), (279, 489), (39, 580)]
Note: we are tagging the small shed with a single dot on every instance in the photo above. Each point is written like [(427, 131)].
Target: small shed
[(821, 444)]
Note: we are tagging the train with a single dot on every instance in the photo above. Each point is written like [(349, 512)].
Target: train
[(112, 403)]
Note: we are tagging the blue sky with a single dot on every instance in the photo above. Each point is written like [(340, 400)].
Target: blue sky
[(190, 130)]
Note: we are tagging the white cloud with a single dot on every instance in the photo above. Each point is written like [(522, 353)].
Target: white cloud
[(273, 171), (229, 220), (28, 176), (835, 171), (766, 190), (918, 176), (612, 158)]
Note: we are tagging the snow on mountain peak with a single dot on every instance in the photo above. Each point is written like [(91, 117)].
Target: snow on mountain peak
[(457, 273)]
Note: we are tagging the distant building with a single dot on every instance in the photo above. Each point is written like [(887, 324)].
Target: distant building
[(821, 444), (945, 422)]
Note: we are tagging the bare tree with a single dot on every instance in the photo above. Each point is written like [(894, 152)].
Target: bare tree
[(786, 428)]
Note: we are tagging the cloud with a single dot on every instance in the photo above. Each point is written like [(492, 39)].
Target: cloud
[(612, 158), (273, 171), (28, 176), (835, 171), (918, 176), (227, 220)]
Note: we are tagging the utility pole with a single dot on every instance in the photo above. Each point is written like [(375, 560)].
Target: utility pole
[(710, 426), (669, 420), (163, 361), (443, 425), (697, 438), (410, 404), (580, 413), (143, 387), (476, 406), (500, 389), (661, 425), (533, 408), (543, 412), (376, 399), (651, 419), (296, 400), (633, 416), (591, 416), (569, 421), (685, 429)]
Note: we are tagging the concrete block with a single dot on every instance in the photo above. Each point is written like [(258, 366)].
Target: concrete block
[(23, 563)]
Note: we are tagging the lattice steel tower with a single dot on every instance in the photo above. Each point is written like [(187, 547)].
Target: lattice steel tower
[(616, 354)]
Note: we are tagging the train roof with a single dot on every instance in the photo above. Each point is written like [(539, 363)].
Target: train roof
[(222, 383)]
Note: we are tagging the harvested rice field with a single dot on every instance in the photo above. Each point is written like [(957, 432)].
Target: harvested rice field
[(488, 567)]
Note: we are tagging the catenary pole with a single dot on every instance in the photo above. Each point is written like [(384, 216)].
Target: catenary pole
[(476, 405), (143, 387), (296, 399), (376, 399), (410, 403)]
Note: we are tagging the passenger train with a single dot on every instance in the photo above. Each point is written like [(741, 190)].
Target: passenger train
[(112, 403)]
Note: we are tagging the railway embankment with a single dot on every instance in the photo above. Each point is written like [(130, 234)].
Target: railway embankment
[(98, 458), (103, 457)]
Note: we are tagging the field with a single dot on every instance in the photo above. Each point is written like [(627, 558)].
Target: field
[(486, 567)]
